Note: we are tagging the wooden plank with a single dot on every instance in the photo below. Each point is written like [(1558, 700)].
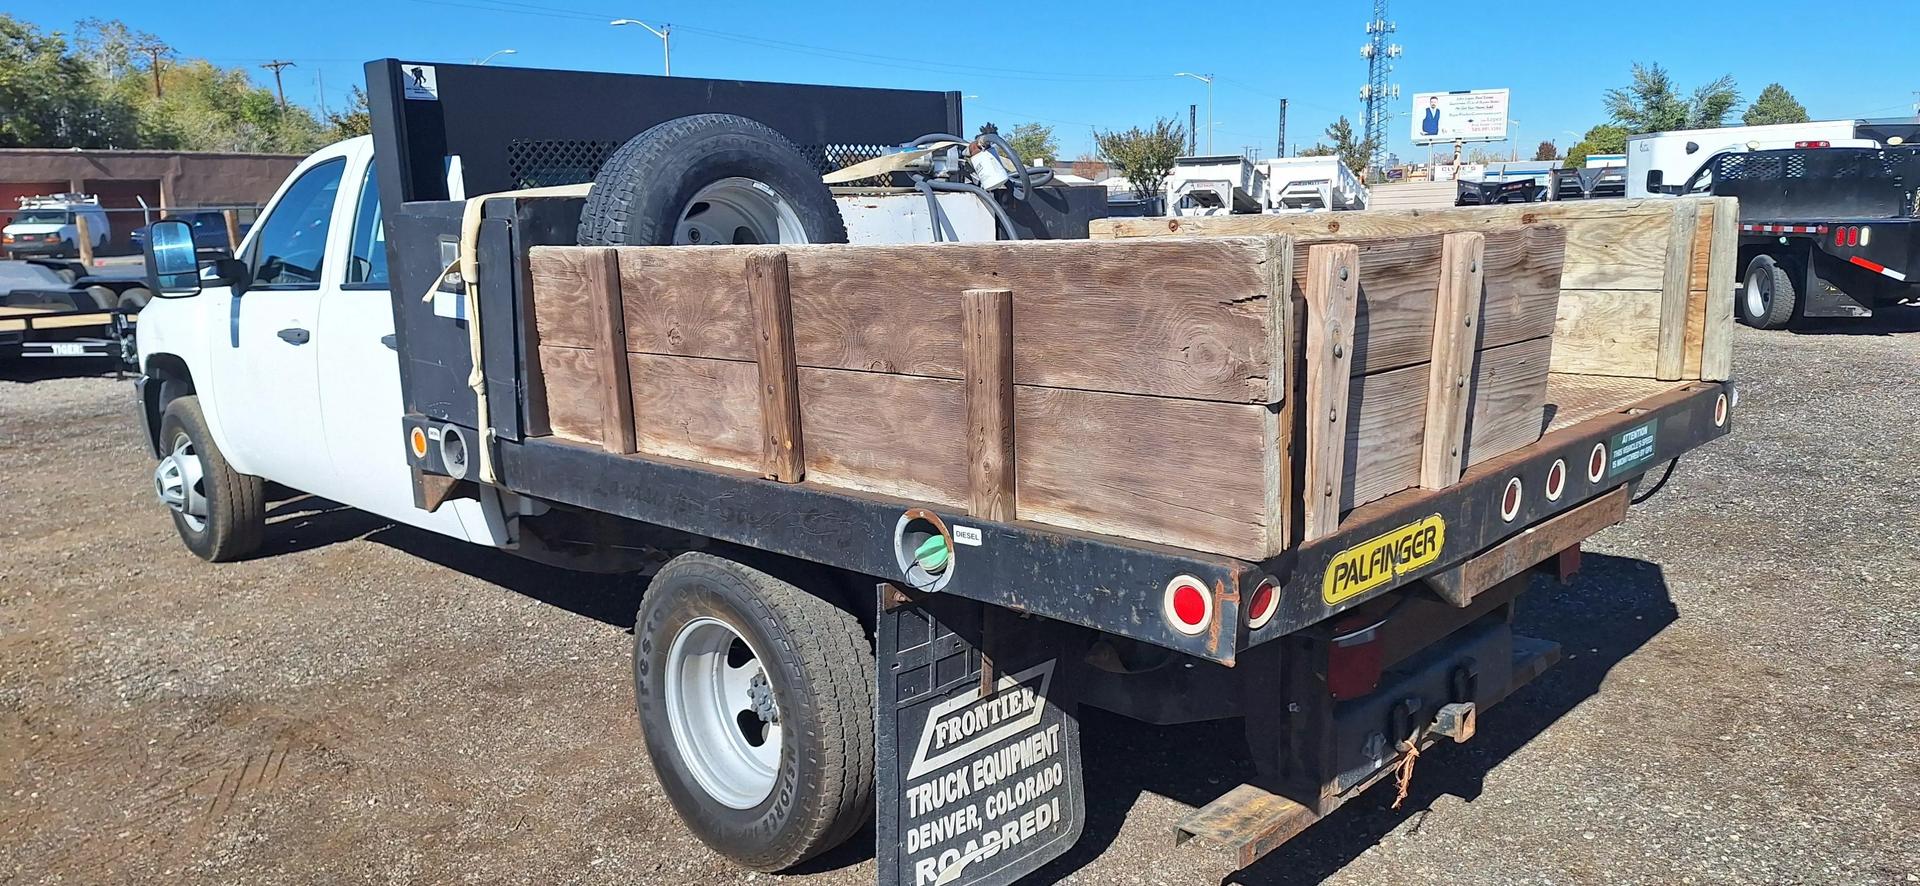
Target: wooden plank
[(1387, 416), (766, 281), (602, 268), (1607, 332), (1670, 352), (1178, 318), (919, 453), (83, 239), (1454, 339), (698, 409), (1175, 472), (232, 218), (572, 380), (1716, 342), (1611, 244), (561, 315), (1400, 285), (1697, 291), (1563, 531), (1332, 294), (988, 315), (689, 302)]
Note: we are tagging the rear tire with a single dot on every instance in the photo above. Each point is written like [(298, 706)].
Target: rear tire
[(1768, 299), (709, 624), (134, 299), (645, 194), (222, 516)]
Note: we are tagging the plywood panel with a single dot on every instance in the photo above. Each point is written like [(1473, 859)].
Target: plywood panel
[(1386, 419), (1611, 244), (919, 453), (689, 302), (1178, 472), (1399, 282), (1607, 332), (562, 305), (697, 409), (1183, 318)]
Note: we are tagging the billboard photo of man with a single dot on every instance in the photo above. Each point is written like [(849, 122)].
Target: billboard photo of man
[(1430, 122)]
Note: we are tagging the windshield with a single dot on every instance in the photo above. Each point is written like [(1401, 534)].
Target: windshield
[(41, 217)]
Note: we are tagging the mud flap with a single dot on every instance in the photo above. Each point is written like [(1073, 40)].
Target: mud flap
[(975, 789)]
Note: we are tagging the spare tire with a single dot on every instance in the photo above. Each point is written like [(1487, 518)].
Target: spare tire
[(709, 179)]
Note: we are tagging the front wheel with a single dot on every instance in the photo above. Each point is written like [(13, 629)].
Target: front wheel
[(756, 699), (219, 512), (1768, 299)]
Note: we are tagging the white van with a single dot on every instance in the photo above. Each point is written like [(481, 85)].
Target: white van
[(48, 226)]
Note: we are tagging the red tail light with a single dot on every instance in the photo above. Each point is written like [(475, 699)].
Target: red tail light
[(1853, 236), (1263, 604), (1187, 606), (1839, 236), (1813, 144)]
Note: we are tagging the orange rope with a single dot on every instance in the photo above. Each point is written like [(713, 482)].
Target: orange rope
[(1403, 776)]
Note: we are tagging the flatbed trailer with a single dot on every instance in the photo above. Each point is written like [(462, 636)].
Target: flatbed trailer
[(1360, 609)]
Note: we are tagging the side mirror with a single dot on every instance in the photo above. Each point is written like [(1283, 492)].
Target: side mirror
[(173, 270)]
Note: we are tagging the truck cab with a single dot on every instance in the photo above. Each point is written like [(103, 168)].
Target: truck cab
[(287, 354)]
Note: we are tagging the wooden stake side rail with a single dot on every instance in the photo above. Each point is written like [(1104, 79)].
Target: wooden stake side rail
[(1647, 289), (1141, 389)]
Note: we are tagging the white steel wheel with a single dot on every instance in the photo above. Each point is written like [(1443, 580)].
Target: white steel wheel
[(180, 482), (1759, 291), (720, 704), (738, 211)]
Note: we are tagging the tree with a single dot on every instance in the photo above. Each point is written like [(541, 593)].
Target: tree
[(1034, 142), (1546, 151), (1775, 105), (1651, 103), (1143, 156), (1352, 151), (1602, 139), (355, 120), (50, 98)]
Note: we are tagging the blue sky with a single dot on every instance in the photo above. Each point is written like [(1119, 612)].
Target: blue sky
[(1106, 66)]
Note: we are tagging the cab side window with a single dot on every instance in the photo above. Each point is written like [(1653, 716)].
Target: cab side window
[(367, 259), (292, 242)]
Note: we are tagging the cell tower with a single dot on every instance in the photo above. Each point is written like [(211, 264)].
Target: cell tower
[(1378, 92)]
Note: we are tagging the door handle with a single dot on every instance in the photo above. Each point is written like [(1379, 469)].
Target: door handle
[(393, 344), (295, 336)]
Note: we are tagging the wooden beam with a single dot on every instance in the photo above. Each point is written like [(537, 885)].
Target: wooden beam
[(83, 239), (772, 300), (1670, 358), (1716, 341), (1455, 335), (232, 218), (1332, 293), (610, 349), (987, 316)]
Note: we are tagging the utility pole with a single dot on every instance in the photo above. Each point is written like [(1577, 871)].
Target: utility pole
[(1280, 144), (1193, 130), (1207, 79), (275, 66), (153, 48)]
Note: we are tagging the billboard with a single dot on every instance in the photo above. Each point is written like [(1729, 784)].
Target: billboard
[(1473, 115)]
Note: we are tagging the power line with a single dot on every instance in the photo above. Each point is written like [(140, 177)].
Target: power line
[(153, 49), (275, 66)]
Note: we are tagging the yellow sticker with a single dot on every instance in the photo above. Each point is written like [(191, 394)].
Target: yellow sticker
[(1378, 560)]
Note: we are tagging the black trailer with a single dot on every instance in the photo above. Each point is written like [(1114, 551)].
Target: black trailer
[(1824, 232), (958, 727)]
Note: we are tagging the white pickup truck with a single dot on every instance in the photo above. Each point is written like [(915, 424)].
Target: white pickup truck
[(296, 380)]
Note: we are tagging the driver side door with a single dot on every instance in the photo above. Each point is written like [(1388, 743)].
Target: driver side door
[(266, 383)]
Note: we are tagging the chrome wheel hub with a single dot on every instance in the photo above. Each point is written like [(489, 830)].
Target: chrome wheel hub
[(180, 483), (738, 211), (724, 714)]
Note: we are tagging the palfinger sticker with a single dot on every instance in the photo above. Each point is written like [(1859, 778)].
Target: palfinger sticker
[(1377, 561)]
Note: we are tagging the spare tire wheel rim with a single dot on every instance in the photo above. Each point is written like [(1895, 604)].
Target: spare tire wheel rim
[(1759, 294), (721, 706), (738, 211), (180, 482)]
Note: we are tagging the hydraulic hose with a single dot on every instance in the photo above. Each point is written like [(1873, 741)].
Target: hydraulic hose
[(1024, 180)]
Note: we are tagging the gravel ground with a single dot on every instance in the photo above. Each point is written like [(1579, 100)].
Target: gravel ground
[(1738, 702)]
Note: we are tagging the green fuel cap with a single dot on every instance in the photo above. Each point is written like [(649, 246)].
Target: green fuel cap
[(933, 554)]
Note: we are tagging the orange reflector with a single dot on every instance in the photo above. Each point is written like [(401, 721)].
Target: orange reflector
[(418, 439)]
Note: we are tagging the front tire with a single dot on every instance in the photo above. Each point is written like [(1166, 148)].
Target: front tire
[(219, 512), (756, 699), (1768, 300)]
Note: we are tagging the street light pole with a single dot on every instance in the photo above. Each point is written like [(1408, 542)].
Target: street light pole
[(1207, 79), (490, 55), (663, 32)]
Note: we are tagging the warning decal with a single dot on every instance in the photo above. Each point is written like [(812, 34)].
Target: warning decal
[(977, 788), (1632, 448)]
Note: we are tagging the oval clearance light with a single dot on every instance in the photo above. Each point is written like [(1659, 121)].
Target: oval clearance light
[(1597, 463), (1720, 411), (1510, 500), (1263, 604), (418, 440), (1556, 479), (1866, 235), (1187, 606)]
